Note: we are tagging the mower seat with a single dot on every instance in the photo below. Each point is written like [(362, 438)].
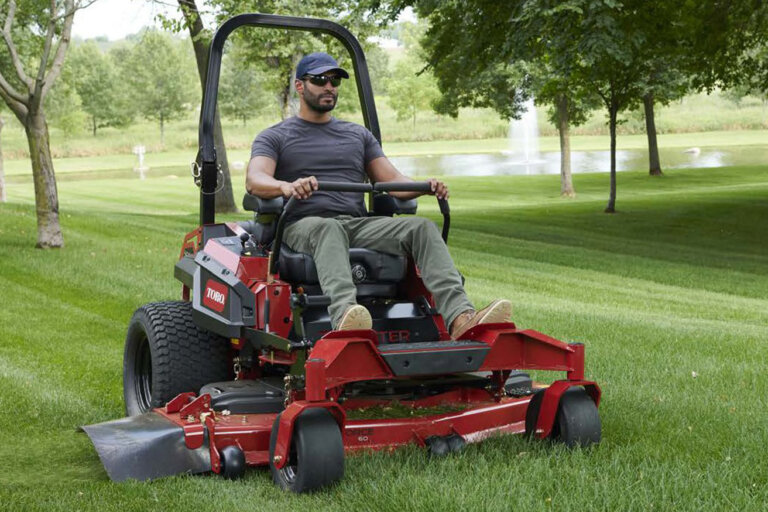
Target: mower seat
[(375, 274)]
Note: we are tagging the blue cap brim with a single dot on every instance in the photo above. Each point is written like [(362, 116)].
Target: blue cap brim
[(323, 69)]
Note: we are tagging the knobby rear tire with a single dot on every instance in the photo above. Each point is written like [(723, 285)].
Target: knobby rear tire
[(166, 353)]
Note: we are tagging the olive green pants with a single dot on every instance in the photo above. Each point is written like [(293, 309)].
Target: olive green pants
[(328, 240)]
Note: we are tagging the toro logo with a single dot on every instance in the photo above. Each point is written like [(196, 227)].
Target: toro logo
[(215, 295)]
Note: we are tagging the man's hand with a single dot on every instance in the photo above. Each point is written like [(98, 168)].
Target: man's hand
[(302, 188), (439, 188)]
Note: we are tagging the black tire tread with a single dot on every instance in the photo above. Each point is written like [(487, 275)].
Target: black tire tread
[(319, 448), (184, 356), (577, 422)]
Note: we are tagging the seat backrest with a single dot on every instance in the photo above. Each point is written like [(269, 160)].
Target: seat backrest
[(263, 225)]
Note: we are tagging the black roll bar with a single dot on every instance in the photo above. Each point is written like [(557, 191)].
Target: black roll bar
[(207, 156)]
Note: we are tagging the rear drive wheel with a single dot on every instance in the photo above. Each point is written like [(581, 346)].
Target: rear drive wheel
[(167, 354), (316, 456), (577, 422)]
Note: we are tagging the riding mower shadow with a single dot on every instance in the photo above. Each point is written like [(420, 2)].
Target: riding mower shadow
[(246, 370)]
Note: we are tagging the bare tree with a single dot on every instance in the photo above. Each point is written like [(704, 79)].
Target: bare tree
[(46, 38)]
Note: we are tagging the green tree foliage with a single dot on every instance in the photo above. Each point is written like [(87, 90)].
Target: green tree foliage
[(413, 87), (609, 41), (275, 52), (63, 105), (378, 67), (456, 44), (754, 84), (721, 41), (97, 81), (411, 91), (241, 90), (661, 59), (161, 77), (495, 65), (620, 50)]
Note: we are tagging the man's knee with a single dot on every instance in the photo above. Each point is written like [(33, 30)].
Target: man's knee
[(310, 231), (421, 226)]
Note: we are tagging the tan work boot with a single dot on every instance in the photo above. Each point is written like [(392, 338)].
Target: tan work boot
[(354, 318), (497, 311)]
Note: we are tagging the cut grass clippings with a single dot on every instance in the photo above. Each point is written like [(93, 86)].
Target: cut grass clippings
[(670, 296)]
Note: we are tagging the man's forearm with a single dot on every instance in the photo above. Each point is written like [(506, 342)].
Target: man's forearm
[(263, 185)]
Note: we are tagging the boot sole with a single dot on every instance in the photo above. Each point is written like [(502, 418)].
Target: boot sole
[(355, 318), (498, 311)]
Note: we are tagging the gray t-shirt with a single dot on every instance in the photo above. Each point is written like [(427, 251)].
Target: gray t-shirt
[(332, 151)]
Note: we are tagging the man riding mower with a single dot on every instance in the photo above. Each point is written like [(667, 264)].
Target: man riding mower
[(283, 353)]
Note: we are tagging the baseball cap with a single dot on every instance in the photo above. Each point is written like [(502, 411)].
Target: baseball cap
[(318, 63)]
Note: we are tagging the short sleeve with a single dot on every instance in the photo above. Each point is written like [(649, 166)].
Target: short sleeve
[(267, 143), (372, 147)]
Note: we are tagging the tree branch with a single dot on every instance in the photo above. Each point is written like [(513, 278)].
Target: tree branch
[(6, 33), (76, 7), (40, 80), (18, 107), (61, 50), (10, 92), (166, 4)]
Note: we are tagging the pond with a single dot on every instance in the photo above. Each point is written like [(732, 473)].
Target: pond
[(494, 164), (488, 164)]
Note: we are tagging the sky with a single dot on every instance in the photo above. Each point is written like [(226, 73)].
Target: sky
[(116, 19)]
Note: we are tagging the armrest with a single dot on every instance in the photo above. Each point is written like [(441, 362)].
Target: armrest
[(259, 205), (385, 204)]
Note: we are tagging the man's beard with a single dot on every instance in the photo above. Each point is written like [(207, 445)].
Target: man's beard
[(313, 101)]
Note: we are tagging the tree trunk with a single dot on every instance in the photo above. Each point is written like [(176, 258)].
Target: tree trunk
[(564, 129), (612, 114), (93, 119), (650, 130), (3, 197), (285, 103), (46, 195), (225, 200)]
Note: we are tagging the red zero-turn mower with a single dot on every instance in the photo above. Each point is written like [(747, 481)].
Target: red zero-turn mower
[(246, 370)]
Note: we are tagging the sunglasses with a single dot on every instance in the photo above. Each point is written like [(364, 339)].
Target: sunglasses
[(321, 80)]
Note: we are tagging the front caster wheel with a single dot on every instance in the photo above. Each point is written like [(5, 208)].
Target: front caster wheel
[(316, 456), (232, 462), (577, 422)]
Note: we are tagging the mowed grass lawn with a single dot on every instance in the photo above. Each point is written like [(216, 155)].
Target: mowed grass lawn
[(670, 296)]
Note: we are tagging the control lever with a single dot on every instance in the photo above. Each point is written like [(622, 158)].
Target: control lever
[(248, 244)]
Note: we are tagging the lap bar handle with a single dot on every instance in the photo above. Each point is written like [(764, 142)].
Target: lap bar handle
[(340, 186)]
